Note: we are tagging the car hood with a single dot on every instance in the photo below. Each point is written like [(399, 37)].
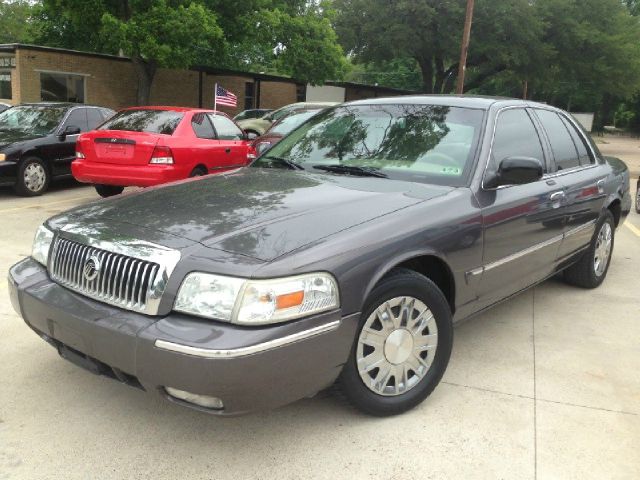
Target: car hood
[(7, 137), (259, 213)]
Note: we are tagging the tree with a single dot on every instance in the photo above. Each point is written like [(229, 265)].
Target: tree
[(15, 21), (505, 35), (291, 37)]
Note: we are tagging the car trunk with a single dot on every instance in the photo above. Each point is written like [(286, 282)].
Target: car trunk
[(120, 147)]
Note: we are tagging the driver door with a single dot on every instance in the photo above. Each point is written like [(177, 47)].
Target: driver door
[(523, 224), (65, 150)]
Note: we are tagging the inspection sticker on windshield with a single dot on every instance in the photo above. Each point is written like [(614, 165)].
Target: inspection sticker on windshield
[(451, 171)]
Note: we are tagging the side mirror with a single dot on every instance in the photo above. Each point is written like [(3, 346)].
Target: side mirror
[(250, 135), (517, 171), (69, 130)]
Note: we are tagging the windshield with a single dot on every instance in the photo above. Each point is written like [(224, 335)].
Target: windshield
[(151, 121), (37, 120), (287, 124), (421, 143)]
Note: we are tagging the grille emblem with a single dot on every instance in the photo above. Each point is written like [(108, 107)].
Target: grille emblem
[(91, 268)]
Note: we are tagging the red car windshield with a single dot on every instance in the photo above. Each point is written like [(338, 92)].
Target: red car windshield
[(151, 121)]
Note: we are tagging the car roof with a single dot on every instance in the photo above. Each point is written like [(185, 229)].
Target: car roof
[(170, 108), (465, 101), (59, 104)]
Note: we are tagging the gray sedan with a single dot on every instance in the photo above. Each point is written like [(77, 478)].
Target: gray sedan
[(343, 255)]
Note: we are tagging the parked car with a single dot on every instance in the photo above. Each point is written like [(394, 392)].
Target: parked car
[(4, 106), (343, 255), (281, 128), (252, 113), (258, 126), (145, 146), (37, 142)]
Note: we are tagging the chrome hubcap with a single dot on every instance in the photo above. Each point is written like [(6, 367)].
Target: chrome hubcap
[(603, 249), (34, 177), (396, 346)]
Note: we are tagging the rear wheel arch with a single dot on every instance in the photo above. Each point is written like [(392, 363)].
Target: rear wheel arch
[(615, 207), (428, 264)]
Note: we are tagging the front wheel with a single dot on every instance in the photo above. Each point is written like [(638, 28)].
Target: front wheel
[(591, 270), (108, 190), (33, 177), (402, 348)]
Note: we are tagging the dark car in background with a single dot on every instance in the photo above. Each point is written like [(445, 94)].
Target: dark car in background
[(4, 106), (281, 128), (252, 113), (344, 254), (38, 142)]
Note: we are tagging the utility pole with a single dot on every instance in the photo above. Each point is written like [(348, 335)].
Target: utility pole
[(466, 36)]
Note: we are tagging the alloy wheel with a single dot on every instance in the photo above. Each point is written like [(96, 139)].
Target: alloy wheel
[(603, 249), (396, 346)]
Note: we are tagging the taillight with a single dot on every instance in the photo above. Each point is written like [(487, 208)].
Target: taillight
[(79, 153), (251, 153), (161, 155)]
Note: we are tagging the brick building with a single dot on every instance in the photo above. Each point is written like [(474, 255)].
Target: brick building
[(30, 73)]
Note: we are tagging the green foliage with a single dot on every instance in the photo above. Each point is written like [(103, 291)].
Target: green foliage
[(624, 118), (15, 21), (402, 73)]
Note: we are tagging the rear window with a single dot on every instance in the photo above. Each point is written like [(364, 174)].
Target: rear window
[(151, 121)]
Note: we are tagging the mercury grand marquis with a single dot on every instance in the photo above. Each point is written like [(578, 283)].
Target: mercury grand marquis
[(344, 255)]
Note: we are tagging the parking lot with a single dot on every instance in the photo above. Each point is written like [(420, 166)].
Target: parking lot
[(546, 385)]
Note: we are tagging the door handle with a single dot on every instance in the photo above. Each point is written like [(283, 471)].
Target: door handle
[(556, 199), (600, 185), (227, 150)]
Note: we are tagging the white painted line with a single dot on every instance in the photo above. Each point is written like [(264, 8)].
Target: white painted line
[(633, 228)]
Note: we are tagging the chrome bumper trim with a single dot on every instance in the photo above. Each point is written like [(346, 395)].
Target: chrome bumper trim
[(250, 350)]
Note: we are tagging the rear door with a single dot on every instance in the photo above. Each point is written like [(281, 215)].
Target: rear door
[(522, 223), (581, 175), (206, 149), (232, 138), (130, 137)]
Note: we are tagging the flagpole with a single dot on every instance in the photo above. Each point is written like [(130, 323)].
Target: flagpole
[(215, 98)]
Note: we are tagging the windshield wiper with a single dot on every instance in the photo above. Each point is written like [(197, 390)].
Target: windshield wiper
[(352, 170), (285, 161)]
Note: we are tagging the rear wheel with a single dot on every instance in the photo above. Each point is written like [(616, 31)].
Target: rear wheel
[(108, 190), (33, 177), (402, 348), (591, 270), (198, 172)]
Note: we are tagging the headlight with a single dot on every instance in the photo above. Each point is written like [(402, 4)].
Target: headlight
[(3, 157), (257, 302), (41, 245)]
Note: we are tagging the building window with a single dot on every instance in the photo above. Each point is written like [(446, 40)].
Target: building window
[(5, 85), (301, 93), (249, 95), (61, 87)]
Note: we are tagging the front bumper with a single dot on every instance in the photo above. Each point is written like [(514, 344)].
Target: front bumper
[(126, 175), (8, 173), (247, 368)]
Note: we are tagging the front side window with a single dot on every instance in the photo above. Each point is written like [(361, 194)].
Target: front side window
[(515, 136), (37, 120), (77, 118), (225, 128), (564, 150), (61, 87), (5, 85), (94, 117), (141, 120), (420, 143), (202, 126)]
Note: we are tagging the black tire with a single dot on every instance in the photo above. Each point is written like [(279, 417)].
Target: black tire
[(638, 197), (33, 177), (400, 282), (108, 190), (198, 172), (583, 273)]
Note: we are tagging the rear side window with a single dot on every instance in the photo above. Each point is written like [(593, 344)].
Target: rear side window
[(583, 153), (94, 117), (564, 150), (202, 126), (515, 136), (151, 121), (225, 128)]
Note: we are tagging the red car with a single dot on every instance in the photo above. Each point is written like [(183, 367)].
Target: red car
[(145, 146)]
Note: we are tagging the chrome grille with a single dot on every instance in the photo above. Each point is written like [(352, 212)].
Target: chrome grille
[(121, 280)]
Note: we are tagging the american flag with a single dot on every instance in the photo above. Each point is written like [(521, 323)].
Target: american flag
[(225, 97)]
